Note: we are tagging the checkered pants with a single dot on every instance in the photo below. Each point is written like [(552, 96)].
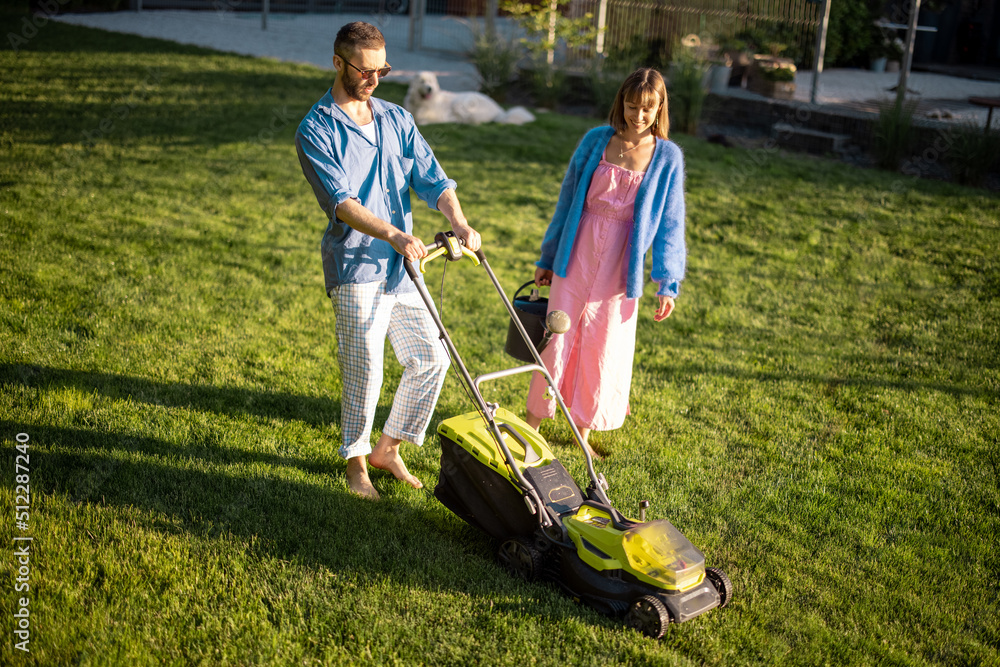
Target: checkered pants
[(366, 315)]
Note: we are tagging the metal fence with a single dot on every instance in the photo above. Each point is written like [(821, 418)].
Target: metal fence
[(626, 27), (435, 25), (623, 26)]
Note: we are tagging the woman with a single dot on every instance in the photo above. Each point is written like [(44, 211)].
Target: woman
[(623, 194)]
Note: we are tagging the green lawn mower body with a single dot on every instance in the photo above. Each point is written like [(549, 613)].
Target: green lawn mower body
[(647, 572)]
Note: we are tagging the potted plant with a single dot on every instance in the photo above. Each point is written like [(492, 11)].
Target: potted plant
[(732, 60), (885, 47), (894, 54), (773, 77)]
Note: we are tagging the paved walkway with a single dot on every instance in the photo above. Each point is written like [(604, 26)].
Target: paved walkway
[(938, 96), (308, 38), (302, 38)]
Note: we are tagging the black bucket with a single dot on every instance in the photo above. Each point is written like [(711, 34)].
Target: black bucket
[(532, 316)]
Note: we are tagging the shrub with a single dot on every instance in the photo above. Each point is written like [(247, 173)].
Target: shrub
[(495, 57), (547, 29), (893, 133), (687, 86), (548, 83), (850, 35), (604, 82), (972, 154)]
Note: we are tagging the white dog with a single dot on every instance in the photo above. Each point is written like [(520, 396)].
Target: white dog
[(429, 104)]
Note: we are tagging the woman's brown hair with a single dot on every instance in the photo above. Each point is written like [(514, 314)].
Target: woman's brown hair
[(644, 86)]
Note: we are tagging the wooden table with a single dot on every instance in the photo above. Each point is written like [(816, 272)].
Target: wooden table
[(990, 102)]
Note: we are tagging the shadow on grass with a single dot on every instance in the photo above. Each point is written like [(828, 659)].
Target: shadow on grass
[(309, 523), (51, 37), (688, 370), (296, 520), (140, 88), (136, 89), (231, 401), (202, 447)]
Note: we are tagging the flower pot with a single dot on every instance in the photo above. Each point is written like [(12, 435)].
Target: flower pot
[(720, 79), (782, 90), (892, 66), (878, 64), (763, 79)]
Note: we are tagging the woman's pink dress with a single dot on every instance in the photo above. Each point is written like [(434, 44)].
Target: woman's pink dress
[(592, 362)]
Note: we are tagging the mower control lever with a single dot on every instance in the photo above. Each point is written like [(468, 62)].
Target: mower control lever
[(446, 243)]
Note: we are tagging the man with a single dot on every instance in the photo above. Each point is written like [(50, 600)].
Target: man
[(361, 155)]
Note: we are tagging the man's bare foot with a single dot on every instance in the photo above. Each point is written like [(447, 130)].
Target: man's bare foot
[(385, 456), (357, 478)]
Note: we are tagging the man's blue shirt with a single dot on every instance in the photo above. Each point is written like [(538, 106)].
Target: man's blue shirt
[(341, 163)]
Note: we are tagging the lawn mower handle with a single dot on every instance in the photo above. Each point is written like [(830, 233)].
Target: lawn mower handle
[(507, 372), (446, 243)]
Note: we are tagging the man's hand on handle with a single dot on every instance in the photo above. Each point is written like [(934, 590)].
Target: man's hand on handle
[(471, 237), (448, 205), (408, 246)]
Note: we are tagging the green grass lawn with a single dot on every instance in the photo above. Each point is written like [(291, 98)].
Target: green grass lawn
[(820, 416)]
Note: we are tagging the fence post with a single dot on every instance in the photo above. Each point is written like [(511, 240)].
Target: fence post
[(492, 11), (602, 21), (264, 8), (904, 71), (416, 36), (820, 49)]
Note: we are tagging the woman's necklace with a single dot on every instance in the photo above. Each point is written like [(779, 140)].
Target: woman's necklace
[(623, 150)]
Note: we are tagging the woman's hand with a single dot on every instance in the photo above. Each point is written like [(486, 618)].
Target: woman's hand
[(543, 277), (666, 307)]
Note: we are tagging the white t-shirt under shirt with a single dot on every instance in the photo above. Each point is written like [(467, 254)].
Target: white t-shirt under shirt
[(369, 130)]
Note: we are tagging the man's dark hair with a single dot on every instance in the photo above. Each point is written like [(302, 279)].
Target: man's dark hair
[(357, 35)]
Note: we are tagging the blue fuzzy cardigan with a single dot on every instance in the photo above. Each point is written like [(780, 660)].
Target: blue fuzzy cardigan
[(658, 216)]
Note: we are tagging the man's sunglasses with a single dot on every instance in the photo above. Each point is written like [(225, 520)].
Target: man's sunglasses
[(367, 74)]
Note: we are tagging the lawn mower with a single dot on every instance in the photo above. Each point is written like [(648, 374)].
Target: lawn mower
[(499, 475)]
